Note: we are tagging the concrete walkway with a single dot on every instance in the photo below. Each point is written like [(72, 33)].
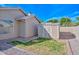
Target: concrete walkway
[(74, 46), (72, 41), (7, 49)]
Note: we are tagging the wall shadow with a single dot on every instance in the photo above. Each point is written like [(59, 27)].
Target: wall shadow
[(66, 35)]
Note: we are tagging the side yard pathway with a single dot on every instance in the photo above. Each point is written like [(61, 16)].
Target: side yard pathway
[(10, 50), (74, 44), (7, 49)]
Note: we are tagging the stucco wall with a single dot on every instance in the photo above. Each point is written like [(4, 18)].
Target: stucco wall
[(48, 30), (30, 27), (26, 29), (12, 32)]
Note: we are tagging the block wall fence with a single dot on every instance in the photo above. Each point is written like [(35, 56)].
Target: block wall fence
[(74, 30), (48, 30)]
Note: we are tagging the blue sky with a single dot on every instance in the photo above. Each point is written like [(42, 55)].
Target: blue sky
[(47, 11)]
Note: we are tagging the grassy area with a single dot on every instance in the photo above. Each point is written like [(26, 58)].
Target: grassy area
[(42, 46)]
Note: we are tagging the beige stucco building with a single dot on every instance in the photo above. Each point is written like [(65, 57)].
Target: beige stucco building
[(15, 23)]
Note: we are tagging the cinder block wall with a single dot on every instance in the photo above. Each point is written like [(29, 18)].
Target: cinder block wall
[(48, 30)]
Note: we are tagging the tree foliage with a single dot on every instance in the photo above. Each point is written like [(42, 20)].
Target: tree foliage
[(77, 18), (65, 21), (77, 23), (53, 21)]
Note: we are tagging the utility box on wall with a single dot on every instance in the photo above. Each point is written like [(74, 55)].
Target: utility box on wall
[(48, 30)]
